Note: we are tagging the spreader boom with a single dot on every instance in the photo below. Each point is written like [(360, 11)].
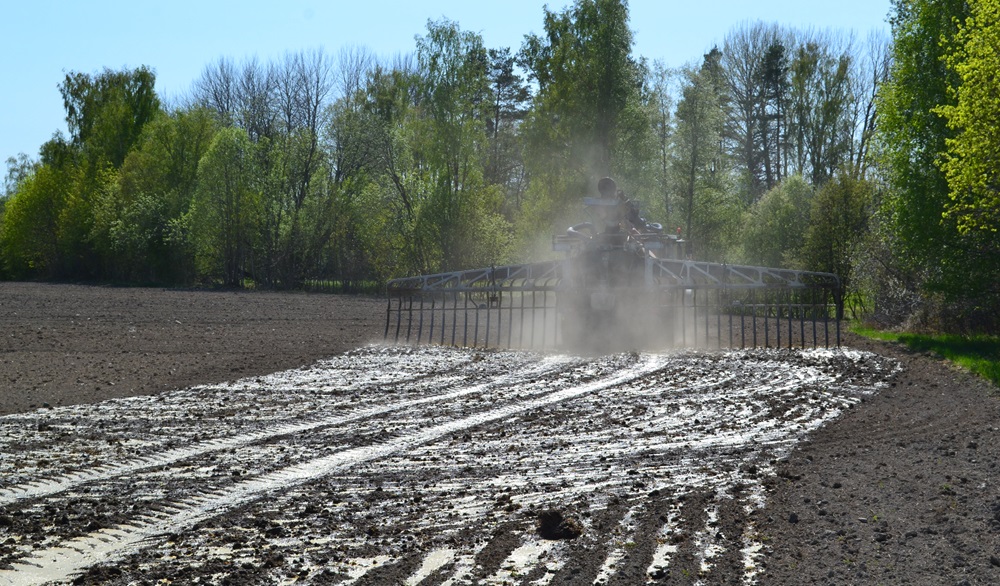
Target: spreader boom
[(682, 302)]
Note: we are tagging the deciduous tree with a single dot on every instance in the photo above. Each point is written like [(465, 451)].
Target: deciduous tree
[(700, 165), (774, 228), (927, 254), (971, 162), (588, 118), (838, 224), (972, 159), (225, 215), (30, 243), (138, 220), (105, 112), (755, 66)]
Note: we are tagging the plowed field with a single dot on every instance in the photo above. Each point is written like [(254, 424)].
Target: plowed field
[(144, 444)]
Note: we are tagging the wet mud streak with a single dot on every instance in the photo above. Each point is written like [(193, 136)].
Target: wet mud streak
[(109, 544), (48, 486), (419, 466)]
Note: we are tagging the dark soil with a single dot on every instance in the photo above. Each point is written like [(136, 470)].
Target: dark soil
[(68, 344), (902, 489)]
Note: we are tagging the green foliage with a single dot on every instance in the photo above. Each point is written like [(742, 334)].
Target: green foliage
[(413, 151), (978, 354), (756, 71), (29, 235), (584, 69), (105, 113), (588, 119), (137, 220), (708, 207), (79, 259), (774, 228), (19, 168), (660, 108), (819, 97), (935, 135), (972, 160), (799, 103), (715, 224), (838, 225), (911, 137), (47, 223), (391, 186), (225, 214), (454, 85), (285, 173), (507, 107)]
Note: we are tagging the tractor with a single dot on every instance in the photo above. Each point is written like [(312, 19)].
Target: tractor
[(622, 284)]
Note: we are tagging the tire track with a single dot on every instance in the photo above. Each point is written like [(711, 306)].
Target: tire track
[(49, 486), (63, 561), (454, 505)]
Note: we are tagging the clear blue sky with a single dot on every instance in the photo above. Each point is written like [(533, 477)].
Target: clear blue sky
[(44, 39)]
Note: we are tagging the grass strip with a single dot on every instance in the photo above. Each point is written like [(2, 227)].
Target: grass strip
[(978, 354)]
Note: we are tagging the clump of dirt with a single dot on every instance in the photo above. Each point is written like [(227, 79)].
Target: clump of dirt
[(554, 525)]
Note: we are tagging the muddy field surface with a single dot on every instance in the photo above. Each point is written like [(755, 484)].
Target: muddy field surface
[(156, 437)]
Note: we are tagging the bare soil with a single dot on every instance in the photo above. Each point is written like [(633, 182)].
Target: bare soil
[(904, 489), (900, 489), (70, 344)]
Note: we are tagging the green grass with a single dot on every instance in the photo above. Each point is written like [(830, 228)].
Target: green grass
[(979, 354)]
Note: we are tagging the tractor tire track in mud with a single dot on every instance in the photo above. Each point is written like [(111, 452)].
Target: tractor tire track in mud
[(422, 466)]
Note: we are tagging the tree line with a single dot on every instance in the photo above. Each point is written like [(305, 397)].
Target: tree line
[(871, 158)]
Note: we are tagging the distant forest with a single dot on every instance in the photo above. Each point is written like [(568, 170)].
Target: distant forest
[(875, 158)]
